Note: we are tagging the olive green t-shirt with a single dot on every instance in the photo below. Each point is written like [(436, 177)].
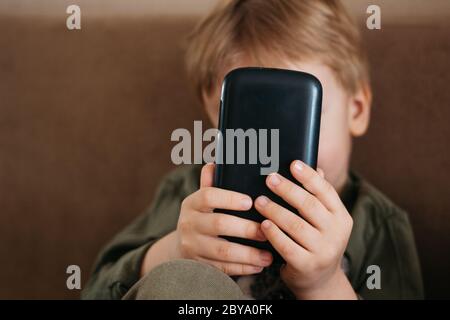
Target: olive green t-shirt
[(381, 236)]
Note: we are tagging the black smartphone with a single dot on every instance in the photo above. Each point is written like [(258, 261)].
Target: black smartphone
[(268, 118)]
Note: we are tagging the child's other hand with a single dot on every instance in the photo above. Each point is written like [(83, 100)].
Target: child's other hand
[(199, 228), (317, 238)]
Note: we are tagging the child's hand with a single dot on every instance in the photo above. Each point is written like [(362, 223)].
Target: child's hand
[(198, 229), (318, 238)]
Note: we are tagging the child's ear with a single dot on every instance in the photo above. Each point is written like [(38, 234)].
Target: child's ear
[(359, 111)]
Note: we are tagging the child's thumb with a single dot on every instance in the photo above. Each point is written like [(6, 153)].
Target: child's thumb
[(207, 175), (321, 173)]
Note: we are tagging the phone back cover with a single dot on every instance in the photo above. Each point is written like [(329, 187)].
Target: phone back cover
[(263, 98)]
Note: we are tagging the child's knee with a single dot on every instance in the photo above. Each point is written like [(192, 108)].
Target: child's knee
[(185, 279)]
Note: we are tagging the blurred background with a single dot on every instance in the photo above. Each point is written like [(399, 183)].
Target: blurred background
[(86, 117)]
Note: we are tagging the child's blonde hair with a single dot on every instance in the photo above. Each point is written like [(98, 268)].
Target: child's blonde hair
[(296, 30)]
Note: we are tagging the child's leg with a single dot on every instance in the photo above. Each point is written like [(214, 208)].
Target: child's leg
[(185, 279)]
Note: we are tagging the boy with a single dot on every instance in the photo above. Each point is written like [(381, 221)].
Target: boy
[(346, 228)]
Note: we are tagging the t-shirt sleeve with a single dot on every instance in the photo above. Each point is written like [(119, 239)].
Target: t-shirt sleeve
[(118, 266)]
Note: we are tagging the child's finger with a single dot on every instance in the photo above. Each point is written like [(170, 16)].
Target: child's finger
[(208, 198), (220, 224), (321, 173), (307, 205), (317, 185), (300, 230), (233, 269), (291, 252), (207, 175), (223, 250)]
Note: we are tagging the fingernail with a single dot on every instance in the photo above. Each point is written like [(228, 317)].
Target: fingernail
[(274, 180), (298, 165), (262, 201), (246, 203), (257, 269), (265, 256), (266, 224)]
